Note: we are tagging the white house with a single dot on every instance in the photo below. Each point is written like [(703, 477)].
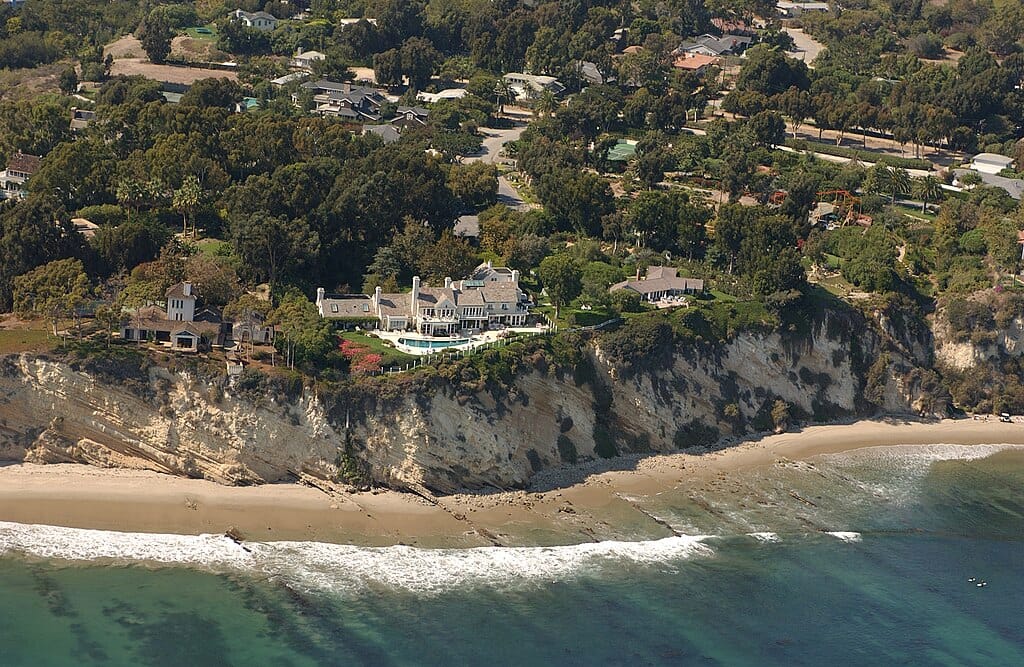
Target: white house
[(991, 163), (530, 86), (20, 168), (255, 20), (306, 59), (489, 298)]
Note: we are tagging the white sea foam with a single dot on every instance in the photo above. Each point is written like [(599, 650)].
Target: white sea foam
[(764, 537), (845, 536), (922, 455), (322, 566)]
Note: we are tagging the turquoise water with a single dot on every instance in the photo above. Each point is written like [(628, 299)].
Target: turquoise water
[(870, 567), (432, 344)]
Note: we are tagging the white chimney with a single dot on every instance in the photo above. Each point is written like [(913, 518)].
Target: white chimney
[(489, 265), (376, 297), (320, 295), (415, 296), (186, 288), (447, 283), (515, 276), (298, 51)]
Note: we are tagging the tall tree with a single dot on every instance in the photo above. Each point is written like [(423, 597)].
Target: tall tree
[(55, 290), (561, 279)]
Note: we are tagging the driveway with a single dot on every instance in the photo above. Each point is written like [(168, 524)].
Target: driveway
[(490, 152), (806, 47)]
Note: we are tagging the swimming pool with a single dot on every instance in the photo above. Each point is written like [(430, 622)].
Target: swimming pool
[(432, 344)]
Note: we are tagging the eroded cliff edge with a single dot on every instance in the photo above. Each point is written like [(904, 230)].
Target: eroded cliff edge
[(441, 433)]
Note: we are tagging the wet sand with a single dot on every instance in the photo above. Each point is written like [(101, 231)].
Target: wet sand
[(598, 507)]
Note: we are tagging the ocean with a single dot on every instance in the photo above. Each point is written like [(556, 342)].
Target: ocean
[(871, 557)]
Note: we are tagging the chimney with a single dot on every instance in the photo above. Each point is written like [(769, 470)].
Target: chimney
[(447, 283), (415, 296), (319, 295), (489, 265), (376, 297), (638, 272), (186, 288), (515, 276), (298, 51)]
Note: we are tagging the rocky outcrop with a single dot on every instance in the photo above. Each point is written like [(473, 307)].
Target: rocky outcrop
[(443, 437)]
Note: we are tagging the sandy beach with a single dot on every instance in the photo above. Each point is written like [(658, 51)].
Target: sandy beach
[(140, 501)]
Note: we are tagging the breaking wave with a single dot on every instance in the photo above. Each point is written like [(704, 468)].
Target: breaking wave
[(337, 567)]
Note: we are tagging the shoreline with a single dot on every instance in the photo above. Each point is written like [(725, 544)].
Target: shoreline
[(81, 496)]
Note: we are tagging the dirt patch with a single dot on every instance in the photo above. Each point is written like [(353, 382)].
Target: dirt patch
[(168, 73), (125, 47), (196, 50), (20, 84)]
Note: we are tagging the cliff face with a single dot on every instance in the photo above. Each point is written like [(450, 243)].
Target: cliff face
[(445, 439)]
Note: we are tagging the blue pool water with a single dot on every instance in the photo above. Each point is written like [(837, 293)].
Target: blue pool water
[(432, 344)]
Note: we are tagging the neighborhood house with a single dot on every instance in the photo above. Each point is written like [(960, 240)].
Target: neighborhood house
[(489, 298), (255, 20), (183, 328), (20, 168), (343, 100), (531, 86), (661, 282)]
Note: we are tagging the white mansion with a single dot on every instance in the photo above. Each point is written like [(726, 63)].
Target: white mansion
[(489, 298)]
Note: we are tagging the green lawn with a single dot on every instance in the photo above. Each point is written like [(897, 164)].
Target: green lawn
[(389, 355), (209, 32)]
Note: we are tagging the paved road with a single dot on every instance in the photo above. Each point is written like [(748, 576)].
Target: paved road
[(494, 140)]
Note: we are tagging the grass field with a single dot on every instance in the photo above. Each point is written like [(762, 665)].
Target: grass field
[(13, 341)]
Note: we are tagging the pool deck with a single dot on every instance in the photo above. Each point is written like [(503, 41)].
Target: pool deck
[(475, 340)]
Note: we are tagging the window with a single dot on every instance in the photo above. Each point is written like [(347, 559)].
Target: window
[(334, 307)]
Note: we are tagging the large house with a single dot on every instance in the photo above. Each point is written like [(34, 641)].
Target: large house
[(255, 20), (490, 298), (184, 328), (20, 168), (710, 45), (531, 86), (344, 100), (661, 282)]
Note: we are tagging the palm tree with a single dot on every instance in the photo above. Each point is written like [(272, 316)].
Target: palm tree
[(186, 200), (130, 193), (928, 189), (898, 180), (503, 93), (546, 104)]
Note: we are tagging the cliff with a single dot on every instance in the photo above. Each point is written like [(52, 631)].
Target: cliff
[(438, 434)]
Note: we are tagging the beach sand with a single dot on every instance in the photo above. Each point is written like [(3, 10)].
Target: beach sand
[(586, 507)]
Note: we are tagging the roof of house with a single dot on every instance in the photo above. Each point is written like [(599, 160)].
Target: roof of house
[(288, 78), (633, 50), (255, 15), (719, 45), (694, 61), (992, 158), (348, 305), (388, 133), (24, 162), (660, 279), (309, 55), (416, 111), (1013, 186), (394, 305), (181, 291), (446, 94)]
